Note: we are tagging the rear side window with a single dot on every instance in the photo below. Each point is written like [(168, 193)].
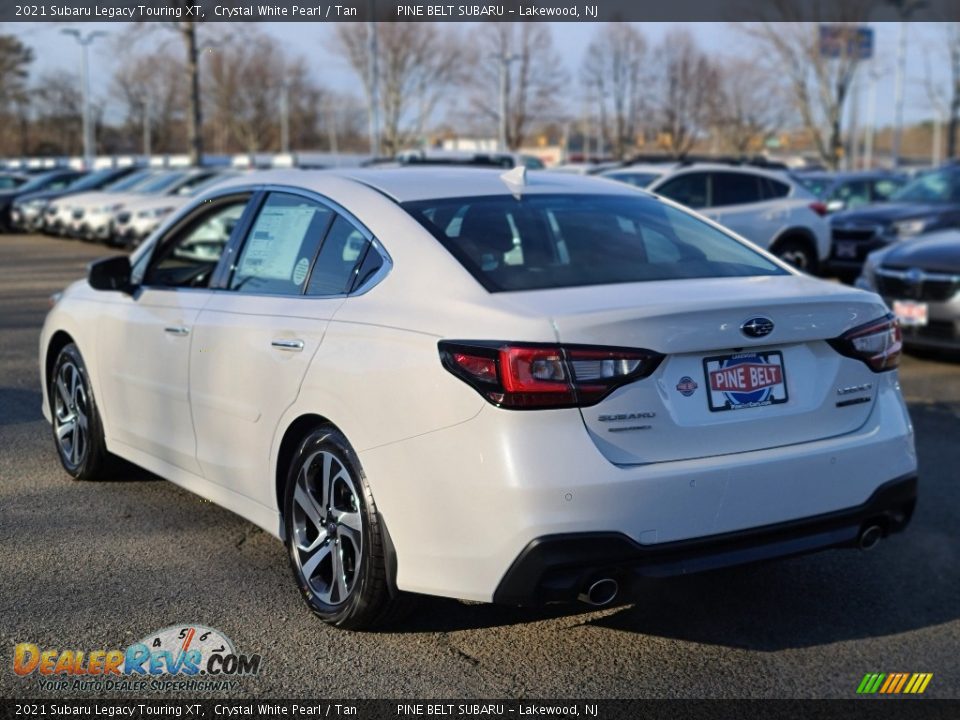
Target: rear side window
[(689, 189), (343, 250), (774, 189), (550, 241), (733, 188), (281, 245)]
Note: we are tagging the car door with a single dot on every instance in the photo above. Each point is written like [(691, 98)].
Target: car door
[(256, 337), (144, 339), (738, 201)]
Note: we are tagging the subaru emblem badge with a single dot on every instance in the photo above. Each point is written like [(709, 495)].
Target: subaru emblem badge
[(757, 327)]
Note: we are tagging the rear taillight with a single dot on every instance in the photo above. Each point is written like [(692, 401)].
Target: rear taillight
[(528, 376), (819, 208), (877, 343)]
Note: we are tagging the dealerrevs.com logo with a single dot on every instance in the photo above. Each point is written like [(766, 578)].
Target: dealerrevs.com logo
[(185, 657)]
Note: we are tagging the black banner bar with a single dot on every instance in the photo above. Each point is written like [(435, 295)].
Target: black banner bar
[(859, 709), (75, 11)]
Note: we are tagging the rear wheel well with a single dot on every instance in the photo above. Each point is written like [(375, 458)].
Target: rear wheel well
[(292, 438), (802, 237), (57, 343)]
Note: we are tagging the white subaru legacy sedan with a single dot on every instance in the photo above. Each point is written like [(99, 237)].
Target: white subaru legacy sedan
[(518, 388)]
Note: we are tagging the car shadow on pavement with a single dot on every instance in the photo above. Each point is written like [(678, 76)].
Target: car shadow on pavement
[(909, 582)]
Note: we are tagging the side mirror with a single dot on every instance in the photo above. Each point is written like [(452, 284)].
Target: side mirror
[(835, 205), (112, 273)]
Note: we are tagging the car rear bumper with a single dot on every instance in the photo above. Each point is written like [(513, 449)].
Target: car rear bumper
[(558, 568), (481, 491)]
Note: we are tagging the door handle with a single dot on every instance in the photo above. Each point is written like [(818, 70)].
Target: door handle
[(177, 330), (289, 345)]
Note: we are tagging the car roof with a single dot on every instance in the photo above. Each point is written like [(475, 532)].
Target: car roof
[(657, 168), (427, 183), (774, 173)]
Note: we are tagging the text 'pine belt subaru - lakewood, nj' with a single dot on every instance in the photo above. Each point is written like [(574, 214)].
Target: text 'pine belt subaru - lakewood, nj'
[(511, 387)]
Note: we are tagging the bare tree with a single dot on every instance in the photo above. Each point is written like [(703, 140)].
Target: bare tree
[(951, 38), (687, 83), (15, 59), (418, 63), (187, 31), (612, 69), (245, 77), (819, 85), (57, 114), (151, 90), (749, 104), (534, 78)]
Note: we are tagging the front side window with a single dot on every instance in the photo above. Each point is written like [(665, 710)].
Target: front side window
[(281, 245), (189, 256), (549, 241)]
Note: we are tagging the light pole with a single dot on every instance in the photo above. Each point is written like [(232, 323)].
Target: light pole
[(504, 59), (285, 117), (85, 42), (374, 80), (905, 8)]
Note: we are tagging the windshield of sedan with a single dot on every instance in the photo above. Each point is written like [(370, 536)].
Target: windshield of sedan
[(129, 182), (935, 187), (39, 182), (817, 184), (91, 181), (161, 182), (550, 241)]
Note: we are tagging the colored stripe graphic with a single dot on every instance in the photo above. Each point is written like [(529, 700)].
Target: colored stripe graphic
[(894, 683)]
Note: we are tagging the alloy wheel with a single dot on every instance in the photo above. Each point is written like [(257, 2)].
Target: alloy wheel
[(71, 413), (327, 528)]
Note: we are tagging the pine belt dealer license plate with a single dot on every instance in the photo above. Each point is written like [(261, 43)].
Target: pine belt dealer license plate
[(745, 380)]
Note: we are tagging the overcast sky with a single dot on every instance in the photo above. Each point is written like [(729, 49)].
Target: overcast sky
[(312, 40)]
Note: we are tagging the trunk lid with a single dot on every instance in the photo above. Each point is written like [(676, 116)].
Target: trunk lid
[(719, 391)]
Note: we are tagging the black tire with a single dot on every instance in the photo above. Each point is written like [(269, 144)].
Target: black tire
[(82, 451), (369, 600), (798, 253)]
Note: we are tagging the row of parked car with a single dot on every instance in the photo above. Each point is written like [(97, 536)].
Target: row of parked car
[(116, 206), (847, 225)]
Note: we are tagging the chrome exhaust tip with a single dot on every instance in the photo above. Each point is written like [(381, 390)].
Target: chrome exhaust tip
[(871, 535), (599, 593)]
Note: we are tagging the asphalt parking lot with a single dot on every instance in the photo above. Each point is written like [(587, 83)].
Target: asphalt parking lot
[(99, 565)]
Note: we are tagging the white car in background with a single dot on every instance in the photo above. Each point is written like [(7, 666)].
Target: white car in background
[(766, 207), (59, 216), (92, 219), (497, 387), (141, 216)]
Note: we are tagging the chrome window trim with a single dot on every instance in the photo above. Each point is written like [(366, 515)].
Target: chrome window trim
[(346, 215), (254, 188)]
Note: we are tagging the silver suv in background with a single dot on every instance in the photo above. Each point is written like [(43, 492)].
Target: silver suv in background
[(766, 207)]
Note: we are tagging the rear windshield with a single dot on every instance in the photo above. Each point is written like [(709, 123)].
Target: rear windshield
[(551, 241)]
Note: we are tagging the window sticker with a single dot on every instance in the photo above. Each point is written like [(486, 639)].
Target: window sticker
[(300, 271), (275, 242)]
